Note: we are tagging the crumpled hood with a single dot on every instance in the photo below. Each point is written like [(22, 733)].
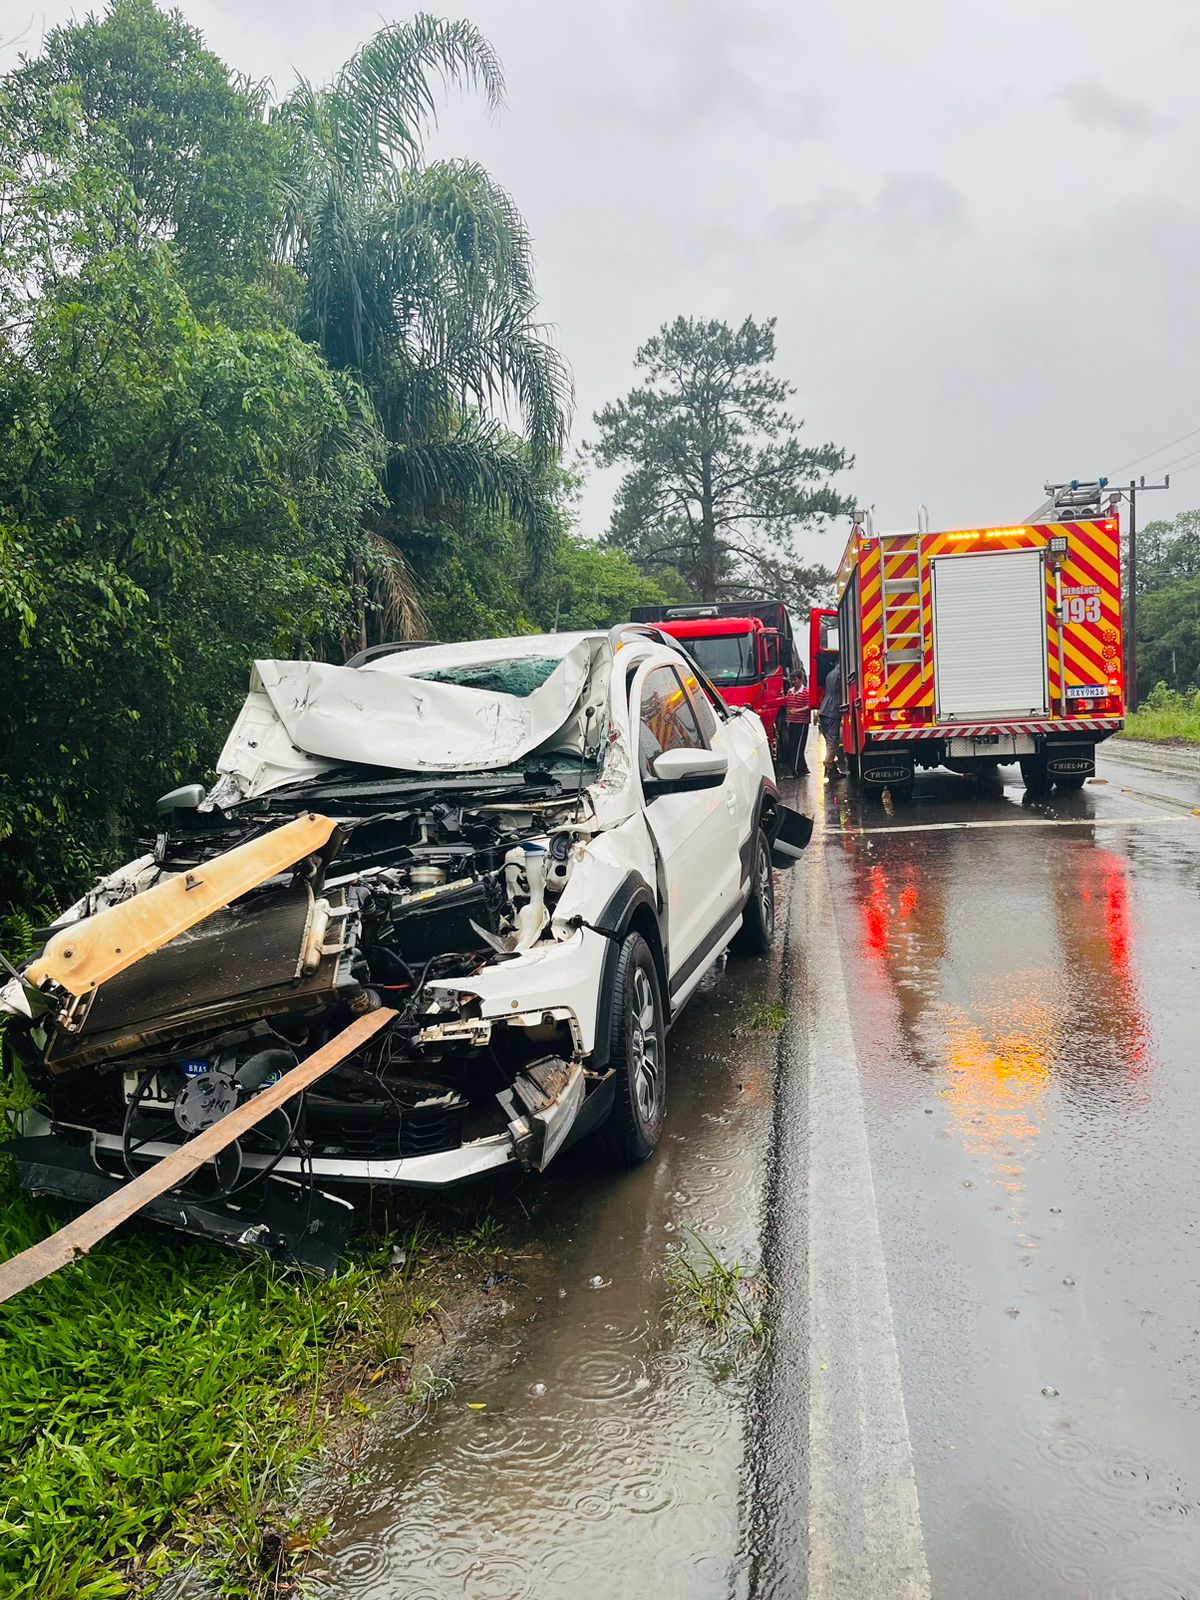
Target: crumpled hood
[(302, 718)]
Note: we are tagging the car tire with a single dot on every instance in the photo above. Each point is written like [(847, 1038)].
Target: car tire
[(754, 936), (634, 1126), (1035, 776)]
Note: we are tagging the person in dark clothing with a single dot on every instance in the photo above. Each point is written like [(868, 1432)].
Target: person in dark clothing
[(831, 719)]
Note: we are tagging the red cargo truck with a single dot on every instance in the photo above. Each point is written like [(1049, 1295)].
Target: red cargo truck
[(744, 646)]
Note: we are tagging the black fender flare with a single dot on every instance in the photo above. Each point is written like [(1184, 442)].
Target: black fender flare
[(631, 902), (766, 817)]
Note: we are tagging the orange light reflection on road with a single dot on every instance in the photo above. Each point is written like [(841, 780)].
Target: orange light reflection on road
[(997, 1084)]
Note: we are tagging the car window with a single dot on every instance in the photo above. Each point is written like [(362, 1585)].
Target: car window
[(701, 705), (667, 721)]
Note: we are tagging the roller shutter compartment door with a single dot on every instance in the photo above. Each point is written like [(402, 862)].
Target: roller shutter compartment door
[(989, 634)]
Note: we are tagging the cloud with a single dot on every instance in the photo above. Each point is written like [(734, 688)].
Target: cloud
[(920, 205), (696, 65), (802, 223), (911, 208), (1095, 105)]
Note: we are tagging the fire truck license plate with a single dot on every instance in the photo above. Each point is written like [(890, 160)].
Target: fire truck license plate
[(995, 745)]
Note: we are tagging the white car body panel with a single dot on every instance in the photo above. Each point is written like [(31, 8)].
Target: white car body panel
[(681, 858)]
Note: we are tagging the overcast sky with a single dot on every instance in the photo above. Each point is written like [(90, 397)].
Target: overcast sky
[(975, 220)]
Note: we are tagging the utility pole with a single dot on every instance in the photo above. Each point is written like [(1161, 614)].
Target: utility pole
[(1131, 670), (1084, 499)]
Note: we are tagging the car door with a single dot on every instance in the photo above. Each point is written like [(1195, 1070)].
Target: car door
[(695, 832), (737, 740)]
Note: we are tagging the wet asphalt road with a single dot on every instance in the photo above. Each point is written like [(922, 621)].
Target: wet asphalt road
[(970, 1162)]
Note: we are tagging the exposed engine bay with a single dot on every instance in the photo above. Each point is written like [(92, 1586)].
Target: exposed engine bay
[(418, 881)]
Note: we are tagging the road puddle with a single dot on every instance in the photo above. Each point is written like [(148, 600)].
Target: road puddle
[(608, 1453)]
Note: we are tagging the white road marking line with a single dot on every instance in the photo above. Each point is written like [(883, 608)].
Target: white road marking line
[(1014, 822), (864, 1522)]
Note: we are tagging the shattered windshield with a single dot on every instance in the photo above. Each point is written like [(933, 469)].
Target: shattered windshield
[(520, 676)]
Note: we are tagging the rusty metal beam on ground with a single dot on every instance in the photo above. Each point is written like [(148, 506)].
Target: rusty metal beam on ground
[(79, 1235)]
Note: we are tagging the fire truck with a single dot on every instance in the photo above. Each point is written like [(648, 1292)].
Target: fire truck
[(744, 646), (979, 648)]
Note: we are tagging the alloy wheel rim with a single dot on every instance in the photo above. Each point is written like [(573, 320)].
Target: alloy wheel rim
[(644, 1047), (766, 898)]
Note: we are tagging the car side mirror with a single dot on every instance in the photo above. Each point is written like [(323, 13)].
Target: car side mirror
[(676, 771), (185, 799)]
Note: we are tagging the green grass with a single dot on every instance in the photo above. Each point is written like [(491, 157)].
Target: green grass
[(1165, 716), (769, 1018), (722, 1297), (150, 1387), (158, 1397)]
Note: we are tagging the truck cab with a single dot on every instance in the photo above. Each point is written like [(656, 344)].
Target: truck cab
[(744, 648)]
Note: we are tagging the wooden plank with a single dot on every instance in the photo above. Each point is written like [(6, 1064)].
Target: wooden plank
[(83, 955), (78, 1236)]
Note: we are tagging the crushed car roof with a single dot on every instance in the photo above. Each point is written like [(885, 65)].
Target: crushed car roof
[(468, 707)]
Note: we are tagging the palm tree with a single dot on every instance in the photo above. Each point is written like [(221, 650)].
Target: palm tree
[(419, 280)]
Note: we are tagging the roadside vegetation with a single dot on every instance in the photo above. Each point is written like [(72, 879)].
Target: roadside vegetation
[(722, 1298), (158, 1398), (1165, 717), (1168, 629)]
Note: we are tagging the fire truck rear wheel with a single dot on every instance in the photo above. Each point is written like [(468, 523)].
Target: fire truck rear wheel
[(1034, 775)]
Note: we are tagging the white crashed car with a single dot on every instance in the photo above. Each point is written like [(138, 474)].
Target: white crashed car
[(531, 849)]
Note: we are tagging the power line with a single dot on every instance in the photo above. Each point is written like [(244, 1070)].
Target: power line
[(1192, 456), (1189, 435)]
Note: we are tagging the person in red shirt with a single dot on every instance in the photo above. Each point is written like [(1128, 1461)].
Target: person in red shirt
[(797, 715)]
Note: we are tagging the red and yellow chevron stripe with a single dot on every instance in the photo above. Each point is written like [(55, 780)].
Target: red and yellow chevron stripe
[(1085, 649)]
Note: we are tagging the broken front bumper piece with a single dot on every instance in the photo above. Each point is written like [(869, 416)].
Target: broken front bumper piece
[(548, 1106), (290, 1222)]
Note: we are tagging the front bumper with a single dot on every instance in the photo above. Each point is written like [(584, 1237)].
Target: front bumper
[(538, 1129)]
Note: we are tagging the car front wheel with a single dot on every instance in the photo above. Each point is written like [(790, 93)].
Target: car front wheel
[(754, 936), (634, 1126)]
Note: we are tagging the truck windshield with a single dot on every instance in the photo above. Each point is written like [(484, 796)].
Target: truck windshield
[(726, 658)]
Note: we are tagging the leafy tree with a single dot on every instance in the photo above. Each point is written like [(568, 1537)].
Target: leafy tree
[(594, 586), (1169, 635), (1168, 552), (718, 483), (480, 579), (419, 279), (176, 497), (163, 113)]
